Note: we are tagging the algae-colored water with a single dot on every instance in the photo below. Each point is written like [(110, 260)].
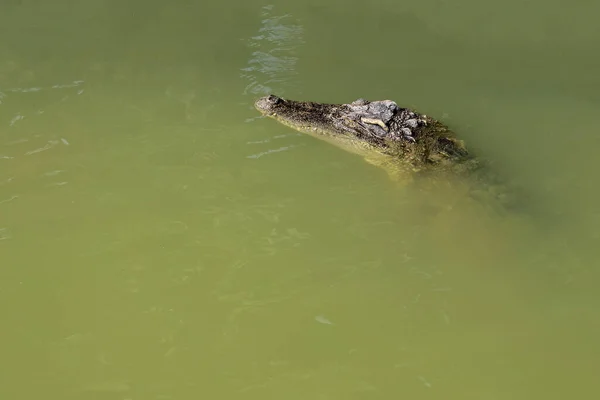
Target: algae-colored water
[(159, 240)]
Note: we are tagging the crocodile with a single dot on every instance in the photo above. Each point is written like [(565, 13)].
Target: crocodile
[(402, 141)]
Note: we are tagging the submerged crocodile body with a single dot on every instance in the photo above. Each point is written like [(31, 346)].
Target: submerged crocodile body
[(405, 143)]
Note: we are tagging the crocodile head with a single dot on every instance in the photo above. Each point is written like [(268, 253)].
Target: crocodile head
[(377, 125), (399, 140)]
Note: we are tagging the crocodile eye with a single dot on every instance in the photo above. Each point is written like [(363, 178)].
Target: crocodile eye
[(273, 99)]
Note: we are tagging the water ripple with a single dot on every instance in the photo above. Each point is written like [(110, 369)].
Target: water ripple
[(271, 151), (274, 60), (48, 146), (6, 94)]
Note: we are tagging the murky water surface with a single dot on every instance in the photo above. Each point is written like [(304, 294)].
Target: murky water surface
[(159, 240)]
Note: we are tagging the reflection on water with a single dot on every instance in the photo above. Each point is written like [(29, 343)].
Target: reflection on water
[(26, 142), (47, 96), (273, 62), (273, 65)]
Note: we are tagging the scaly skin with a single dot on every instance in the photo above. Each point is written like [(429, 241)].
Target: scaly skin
[(403, 142)]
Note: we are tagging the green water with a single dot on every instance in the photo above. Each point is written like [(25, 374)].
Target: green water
[(158, 240)]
